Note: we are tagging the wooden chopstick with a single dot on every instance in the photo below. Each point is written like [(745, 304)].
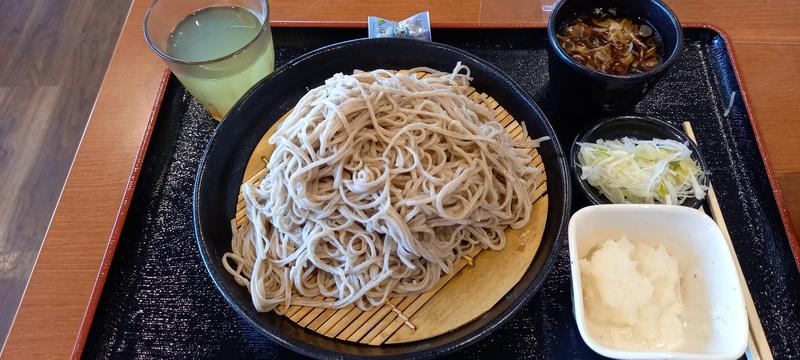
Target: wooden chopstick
[(758, 348)]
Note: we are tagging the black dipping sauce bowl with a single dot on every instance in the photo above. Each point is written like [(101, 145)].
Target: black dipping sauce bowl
[(580, 90), (636, 127)]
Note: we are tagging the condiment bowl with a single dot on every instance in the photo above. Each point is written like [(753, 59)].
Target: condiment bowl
[(637, 127), (714, 312), (585, 90)]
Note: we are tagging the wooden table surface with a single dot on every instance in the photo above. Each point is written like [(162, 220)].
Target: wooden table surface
[(766, 42)]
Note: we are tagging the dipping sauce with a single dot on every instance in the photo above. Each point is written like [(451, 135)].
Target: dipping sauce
[(632, 296), (610, 44)]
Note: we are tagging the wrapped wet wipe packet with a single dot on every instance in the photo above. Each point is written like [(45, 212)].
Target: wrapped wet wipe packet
[(416, 27)]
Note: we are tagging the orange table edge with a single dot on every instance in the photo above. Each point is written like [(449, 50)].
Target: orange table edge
[(20, 348)]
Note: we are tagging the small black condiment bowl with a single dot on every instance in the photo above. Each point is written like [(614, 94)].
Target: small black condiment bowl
[(636, 127), (581, 90)]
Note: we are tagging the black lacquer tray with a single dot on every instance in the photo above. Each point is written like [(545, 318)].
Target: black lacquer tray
[(159, 302)]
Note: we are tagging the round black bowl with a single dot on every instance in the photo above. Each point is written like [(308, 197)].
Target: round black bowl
[(583, 90), (222, 167), (637, 127)]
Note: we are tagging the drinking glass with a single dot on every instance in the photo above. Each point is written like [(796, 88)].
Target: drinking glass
[(218, 49), (548, 5)]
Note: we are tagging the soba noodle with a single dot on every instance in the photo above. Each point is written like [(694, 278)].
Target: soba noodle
[(378, 184)]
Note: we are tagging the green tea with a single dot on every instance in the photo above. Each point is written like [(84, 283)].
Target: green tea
[(213, 33)]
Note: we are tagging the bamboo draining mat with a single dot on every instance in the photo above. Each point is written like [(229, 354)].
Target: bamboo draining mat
[(476, 285)]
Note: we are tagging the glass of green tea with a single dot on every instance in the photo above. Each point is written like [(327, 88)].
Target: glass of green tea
[(217, 49)]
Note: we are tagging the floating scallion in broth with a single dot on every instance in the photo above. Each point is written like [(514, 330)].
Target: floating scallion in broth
[(610, 44)]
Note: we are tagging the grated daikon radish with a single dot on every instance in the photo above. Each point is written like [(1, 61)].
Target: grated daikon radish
[(632, 295)]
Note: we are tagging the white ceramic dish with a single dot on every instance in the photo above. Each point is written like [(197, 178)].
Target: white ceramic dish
[(712, 299)]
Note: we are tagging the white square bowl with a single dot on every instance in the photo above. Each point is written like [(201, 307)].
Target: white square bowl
[(713, 298)]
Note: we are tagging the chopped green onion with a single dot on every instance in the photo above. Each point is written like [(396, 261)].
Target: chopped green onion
[(641, 171)]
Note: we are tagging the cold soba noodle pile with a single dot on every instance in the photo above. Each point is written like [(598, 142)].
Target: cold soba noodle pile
[(379, 183)]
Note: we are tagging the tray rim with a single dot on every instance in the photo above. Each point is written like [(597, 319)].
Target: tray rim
[(102, 272)]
